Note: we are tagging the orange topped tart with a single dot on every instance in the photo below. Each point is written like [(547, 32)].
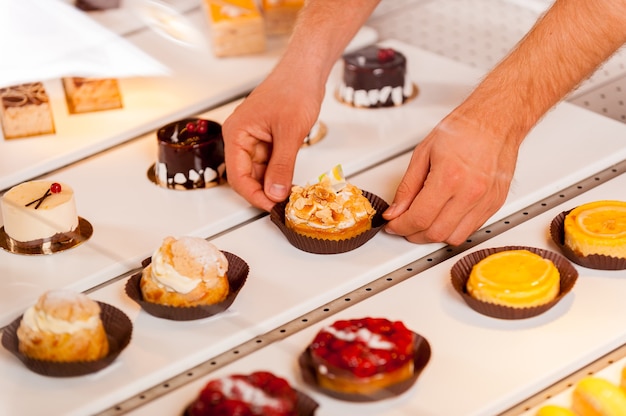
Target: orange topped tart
[(515, 278), (595, 396), (597, 228)]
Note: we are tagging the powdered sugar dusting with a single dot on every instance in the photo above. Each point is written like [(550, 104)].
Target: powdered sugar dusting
[(205, 253)]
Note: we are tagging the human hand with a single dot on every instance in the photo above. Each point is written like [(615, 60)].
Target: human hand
[(458, 176), (263, 135)]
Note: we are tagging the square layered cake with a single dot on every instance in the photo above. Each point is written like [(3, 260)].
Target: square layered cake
[(280, 15), (91, 94), (236, 26), (25, 111)]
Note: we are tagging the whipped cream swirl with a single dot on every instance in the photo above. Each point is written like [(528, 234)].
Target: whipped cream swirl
[(38, 320), (203, 263)]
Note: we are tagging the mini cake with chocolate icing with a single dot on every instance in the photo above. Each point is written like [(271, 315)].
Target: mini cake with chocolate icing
[(280, 15), (39, 212), (375, 77), (236, 26), (257, 394), (25, 111), (190, 154), (90, 94), (363, 356)]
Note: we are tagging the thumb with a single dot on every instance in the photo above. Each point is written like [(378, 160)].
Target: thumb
[(279, 173)]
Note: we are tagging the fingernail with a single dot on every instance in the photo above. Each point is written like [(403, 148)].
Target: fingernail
[(390, 211), (389, 231), (278, 191)]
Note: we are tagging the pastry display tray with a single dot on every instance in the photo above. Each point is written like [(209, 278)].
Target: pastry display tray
[(285, 283), (479, 365), (197, 81), (130, 215)]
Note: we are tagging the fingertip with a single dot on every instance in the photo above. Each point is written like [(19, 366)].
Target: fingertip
[(391, 212), (388, 230), (277, 192)]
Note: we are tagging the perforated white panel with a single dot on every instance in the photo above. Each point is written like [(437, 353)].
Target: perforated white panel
[(481, 32)]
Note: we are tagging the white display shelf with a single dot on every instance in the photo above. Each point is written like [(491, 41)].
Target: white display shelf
[(198, 81), (509, 359), (130, 215), (285, 283)]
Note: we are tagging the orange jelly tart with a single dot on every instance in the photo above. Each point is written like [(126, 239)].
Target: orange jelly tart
[(597, 228), (515, 278)]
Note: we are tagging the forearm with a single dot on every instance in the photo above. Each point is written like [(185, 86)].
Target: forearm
[(323, 30), (564, 48)]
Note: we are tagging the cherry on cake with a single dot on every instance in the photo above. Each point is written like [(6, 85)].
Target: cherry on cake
[(39, 212), (374, 77)]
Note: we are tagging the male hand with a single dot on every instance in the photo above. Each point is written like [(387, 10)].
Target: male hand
[(263, 135), (458, 176)]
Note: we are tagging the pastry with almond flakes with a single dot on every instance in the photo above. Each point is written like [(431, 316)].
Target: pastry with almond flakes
[(329, 210)]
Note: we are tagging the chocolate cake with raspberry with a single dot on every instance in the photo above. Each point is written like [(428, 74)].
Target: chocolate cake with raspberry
[(190, 154), (258, 394), (374, 77), (362, 356)]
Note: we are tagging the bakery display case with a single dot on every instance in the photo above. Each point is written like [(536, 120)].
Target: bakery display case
[(489, 365)]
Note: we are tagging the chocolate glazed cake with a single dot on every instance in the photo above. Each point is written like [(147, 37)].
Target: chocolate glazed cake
[(375, 77), (190, 155)]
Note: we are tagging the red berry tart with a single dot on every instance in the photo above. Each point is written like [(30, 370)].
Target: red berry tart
[(363, 356), (258, 394)]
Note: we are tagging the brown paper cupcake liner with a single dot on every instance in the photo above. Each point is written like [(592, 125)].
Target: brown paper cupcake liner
[(305, 405), (460, 275), (593, 261), (237, 275), (422, 353), (117, 326), (320, 246)]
